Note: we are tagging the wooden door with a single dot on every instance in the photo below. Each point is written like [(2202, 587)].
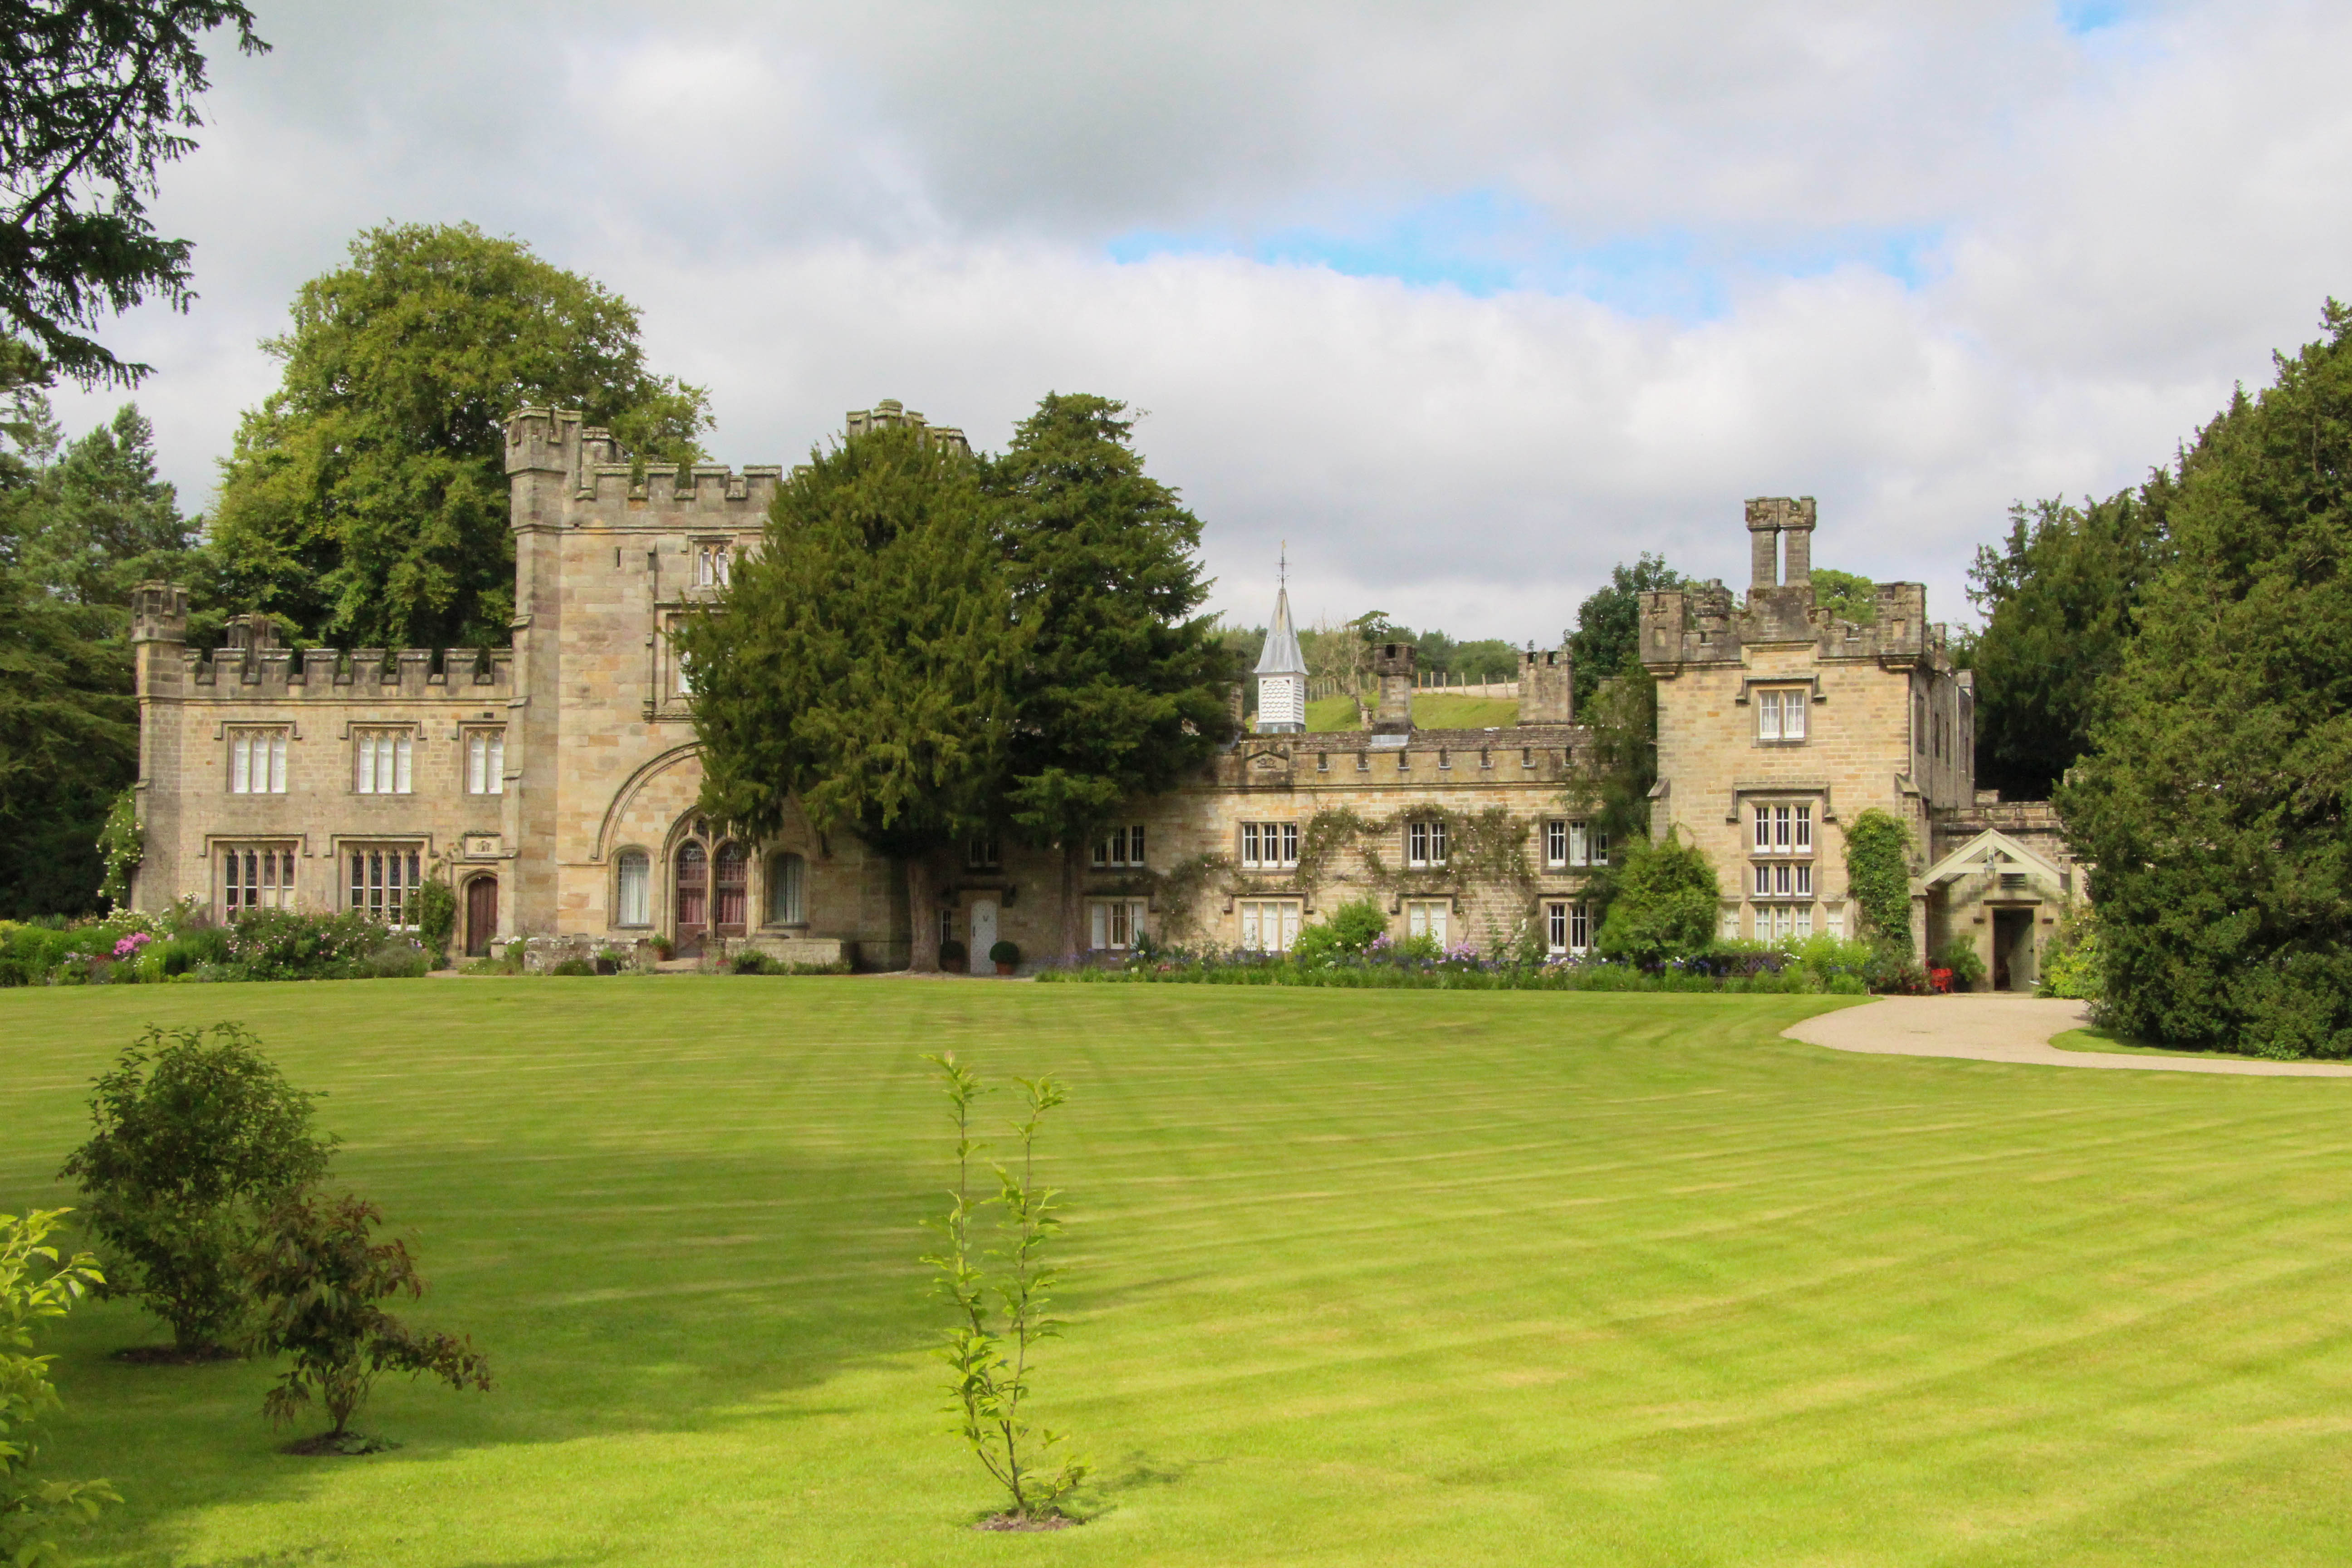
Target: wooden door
[(693, 904), (481, 915)]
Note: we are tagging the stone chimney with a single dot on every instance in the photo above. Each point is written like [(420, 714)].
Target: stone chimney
[(1547, 687), (1393, 662)]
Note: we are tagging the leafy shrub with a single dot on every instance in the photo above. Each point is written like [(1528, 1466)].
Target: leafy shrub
[(191, 1141), (1893, 972), (1959, 955), (1348, 931), (35, 1284), (1665, 904), (752, 960), (292, 945), (396, 961), (2070, 963), (952, 952), (318, 1273), (574, 966), (1004, 953), (1878, 875)]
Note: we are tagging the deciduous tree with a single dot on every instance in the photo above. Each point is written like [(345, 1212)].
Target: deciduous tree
[(1608, 637), (366, 498), (193, 1139)]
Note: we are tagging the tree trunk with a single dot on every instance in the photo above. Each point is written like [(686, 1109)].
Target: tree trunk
[(1073, 907), (923, 911)]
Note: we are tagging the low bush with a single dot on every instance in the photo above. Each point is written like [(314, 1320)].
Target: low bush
[(293, 944), (752, 960), (574, 966), (1959, 955), (952, 952), (2070, 963)]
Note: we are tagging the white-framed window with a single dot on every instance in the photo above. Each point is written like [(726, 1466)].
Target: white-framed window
[(256, 760), (633, 906), (1568, 926), (383, 880), (712, 564), (1556, 845), (1428, 917), (1424, 842), (1114, 923), (1783, 923), (1121, 846), (256, 876), (1267, 844), (787, 890), (985, 853), (1780, 714), (1269, 925), (1784, 827), (485, 761), (1784, 880), (381, 758)]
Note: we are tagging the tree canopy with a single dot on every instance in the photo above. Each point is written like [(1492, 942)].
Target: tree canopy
[(1608, 637), (2213, 803), (1121, 687), (859, 667), (365, 500), (95, 97), (2061, 601)]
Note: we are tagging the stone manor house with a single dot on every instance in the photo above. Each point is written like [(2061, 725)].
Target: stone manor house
[(553, 782)]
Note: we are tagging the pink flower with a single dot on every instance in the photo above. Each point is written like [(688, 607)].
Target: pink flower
[(130, 945)]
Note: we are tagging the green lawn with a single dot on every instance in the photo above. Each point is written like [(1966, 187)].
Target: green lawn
[(1433, 709), (1356, 1278)]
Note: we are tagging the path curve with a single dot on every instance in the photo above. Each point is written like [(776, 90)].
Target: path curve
[(1997, 1028)]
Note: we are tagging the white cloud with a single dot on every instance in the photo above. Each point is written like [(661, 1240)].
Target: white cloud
[(822, 206)]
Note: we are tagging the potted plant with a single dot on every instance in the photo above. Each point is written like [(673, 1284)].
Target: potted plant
[(663, 949), (1004, 955), (952, 953)]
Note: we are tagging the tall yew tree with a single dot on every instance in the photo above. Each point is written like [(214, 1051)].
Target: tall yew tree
[(366, 499), (858, 669), (1122, 685), (2213, 804)]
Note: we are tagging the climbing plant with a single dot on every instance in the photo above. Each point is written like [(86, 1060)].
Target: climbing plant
[(1878, 873)]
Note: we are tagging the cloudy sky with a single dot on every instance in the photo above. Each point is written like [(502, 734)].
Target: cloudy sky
[(1467, 303)]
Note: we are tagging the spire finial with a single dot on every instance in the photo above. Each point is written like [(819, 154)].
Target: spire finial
[(1282, 566)]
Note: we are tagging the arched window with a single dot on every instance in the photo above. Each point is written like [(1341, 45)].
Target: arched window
[(733, 868), (786, 877), (635, 906), (693, 904)]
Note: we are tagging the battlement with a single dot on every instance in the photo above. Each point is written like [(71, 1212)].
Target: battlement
[(252, 669), (890, 413), (592, 482)]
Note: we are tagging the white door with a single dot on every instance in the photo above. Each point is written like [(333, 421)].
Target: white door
[(983, 935)]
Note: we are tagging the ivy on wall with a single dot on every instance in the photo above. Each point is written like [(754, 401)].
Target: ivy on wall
[(1878, 875)]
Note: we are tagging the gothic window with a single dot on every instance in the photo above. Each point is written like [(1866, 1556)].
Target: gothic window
[(731, 875), (713, 563), (635, 905), (485, 761), (383, 881), (1780, 714), (256, 876), (693, 869), (381, 760), (787, 883), (257, 760)]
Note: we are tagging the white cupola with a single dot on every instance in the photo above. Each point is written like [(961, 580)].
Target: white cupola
[(1281, 670)]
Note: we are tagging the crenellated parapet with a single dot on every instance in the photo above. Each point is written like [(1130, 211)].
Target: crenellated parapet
[(243, 670), (577, 475)]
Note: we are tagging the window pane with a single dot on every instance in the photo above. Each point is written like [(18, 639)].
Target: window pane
[(1135, 845), (1804, 828), (1437, 843), (478, 763), (1768, 715), (363, 764), (240, 765), (277, 763), (402, 745), (1792, 717), (1763, 828), (1780, 827), (1290, 844), (497, 765), (1249, 843), (636, 887)]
